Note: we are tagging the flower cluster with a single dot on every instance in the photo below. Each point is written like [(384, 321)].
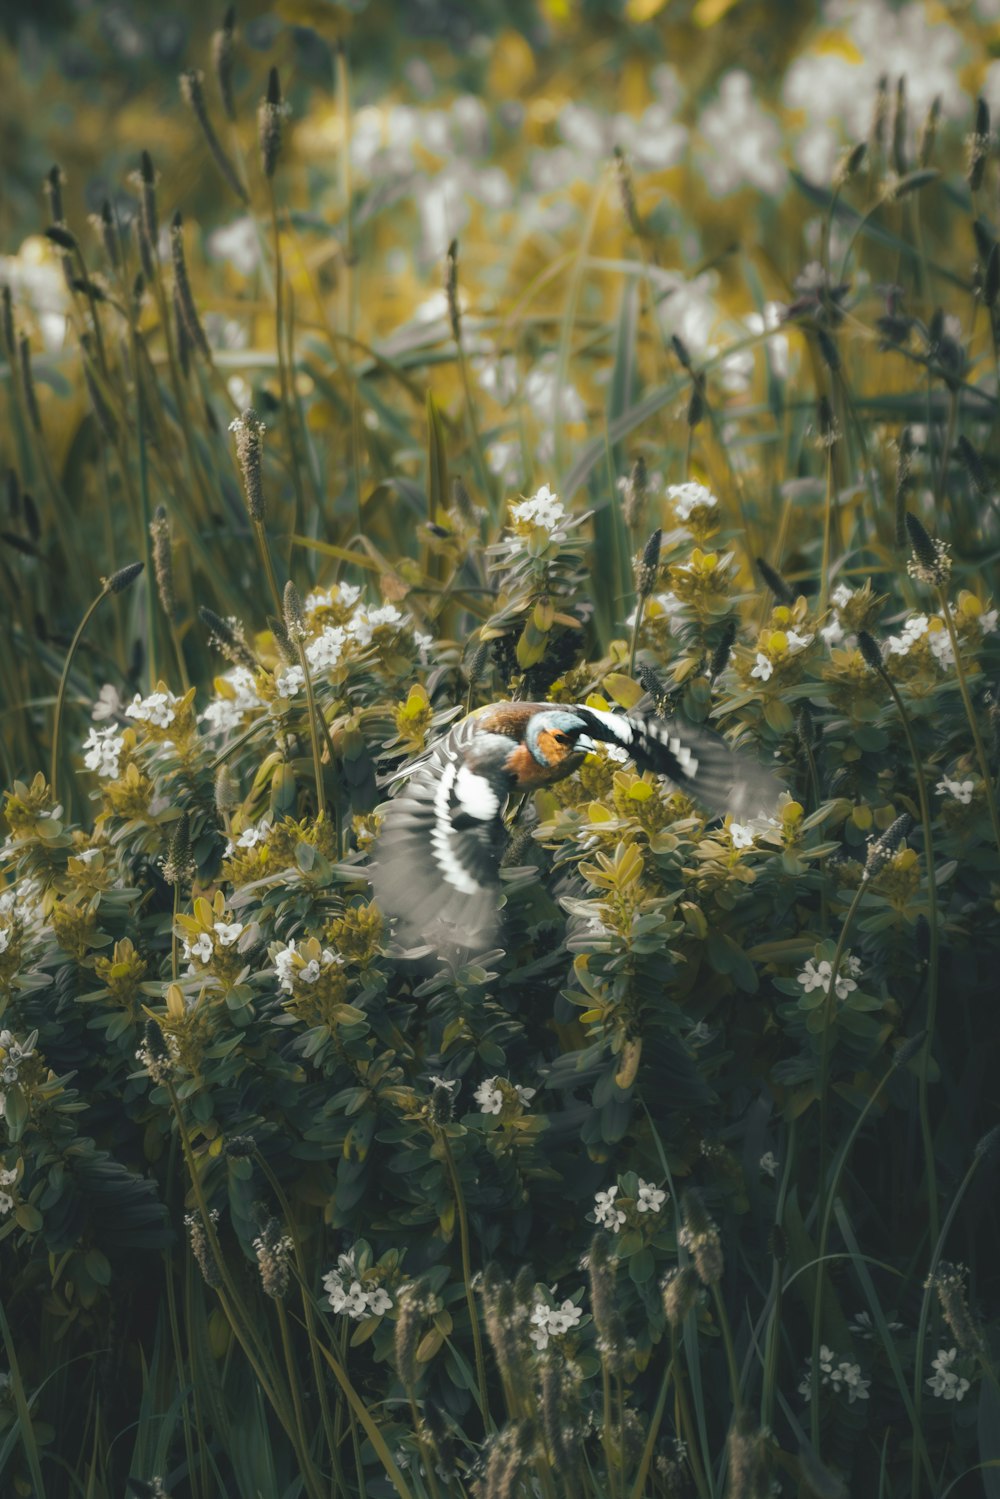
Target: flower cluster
[(961, 791), (817, 976), (945, 1382), (303, 966), (102, 750), (7, 1179), (544, 509), (611, 1216), (15, 1054), (351, 1295), (494, 1092), (552, 1321), (157, 710), (843, 1378), (692, 502)]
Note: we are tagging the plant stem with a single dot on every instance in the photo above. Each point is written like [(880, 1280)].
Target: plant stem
[(829, 1020), (470, 1301), (61, 694)]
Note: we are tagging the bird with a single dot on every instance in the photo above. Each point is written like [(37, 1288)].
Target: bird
[(436, 867)]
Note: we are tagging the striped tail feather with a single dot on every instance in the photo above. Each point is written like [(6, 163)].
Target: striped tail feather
[(697, 760), (701, 763)]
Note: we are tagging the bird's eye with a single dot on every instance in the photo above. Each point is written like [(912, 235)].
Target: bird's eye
[(560, 737)]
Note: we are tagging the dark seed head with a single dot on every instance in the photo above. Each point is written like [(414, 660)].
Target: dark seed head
[(124, 577)]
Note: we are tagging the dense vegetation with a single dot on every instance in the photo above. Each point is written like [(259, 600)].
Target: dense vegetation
[(688, 1187)]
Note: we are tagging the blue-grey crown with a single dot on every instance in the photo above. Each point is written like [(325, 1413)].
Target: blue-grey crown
[(548, 721)]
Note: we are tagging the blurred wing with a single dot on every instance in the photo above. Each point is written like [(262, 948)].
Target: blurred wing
[(698, 761), (438, 854)]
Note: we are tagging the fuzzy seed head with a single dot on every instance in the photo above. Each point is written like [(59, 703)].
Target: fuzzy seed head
[(451, 289), (635, 492), (222, 61), (931, 560), (249, 430), (163, 562), (270, 113), (681, 1289), (648, 565), (882, 850), (295, 619), (124, 577)]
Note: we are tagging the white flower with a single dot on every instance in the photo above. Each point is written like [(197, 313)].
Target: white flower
[(763, 669), (228, 933), (202, 949), (284, 965), (102, 750), (849, 1375), (348, 1295), (941, 648), (841, 596), (769, 1163), (962, 791), (489, 1097), (826, 1358), (818, 977), (252, 836), (945, 1382), (451, 1083), (797, 642), (741, 834), (988, 621), (913, 628), (552, 1322), (607, 1215), (157, 709), (225, 713), (288, 681), (7, 1178), (5, 935), (544, 509), (833, 633), (366, 621), (325, 651), (309, 972), (6, 1202), (687, 497), (650, 1199), (743, 141), (379, 1302), (423, 643)]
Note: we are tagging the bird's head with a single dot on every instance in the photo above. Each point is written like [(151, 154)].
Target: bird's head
[(555, 734)]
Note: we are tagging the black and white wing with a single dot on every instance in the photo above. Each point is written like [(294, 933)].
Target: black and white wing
[(698, 761), (437, 860)]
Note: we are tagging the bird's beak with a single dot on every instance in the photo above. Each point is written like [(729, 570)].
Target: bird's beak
[(584, 745)]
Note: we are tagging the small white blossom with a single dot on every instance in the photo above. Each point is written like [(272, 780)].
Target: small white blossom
[(7, 1178), (797, 642), (941, 647), (913, 628), (6, 1203), (769, 1163), (423, 643), (741, 834), (451, 1083), (826, 1359), (552, 1322), (257, 834), (202, 949), (349, 1296), (962, 791), (284, 965), (988, 621), (815, 976), (228, 932), (102, 751), (157, 709), (764, 670), (366, 621), (688, 497), (650, 1199), (326, 650), (841, 596), (288, 681), (544, 509), (607, 1215), (848, 1377), (945, 1382), (489, 1097), (108, 704), (309, 972), (833, 633)]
